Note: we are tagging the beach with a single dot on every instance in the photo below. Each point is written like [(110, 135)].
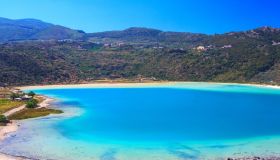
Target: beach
[(96, 85), (135, 85), (8, 157), (14, 125), (5, 130)]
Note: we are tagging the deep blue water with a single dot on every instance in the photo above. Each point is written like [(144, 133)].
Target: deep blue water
[(168, 114)]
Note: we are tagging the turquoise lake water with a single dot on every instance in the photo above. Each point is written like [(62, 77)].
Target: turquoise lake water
[(176, 121)]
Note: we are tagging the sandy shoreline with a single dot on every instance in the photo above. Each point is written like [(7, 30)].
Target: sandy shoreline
[(95, 85), (8, 157), (13, 126), (6, 130), (46, 102), (133, 85)]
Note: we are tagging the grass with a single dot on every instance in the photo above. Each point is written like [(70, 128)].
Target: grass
[(33, 113), (6, 105)]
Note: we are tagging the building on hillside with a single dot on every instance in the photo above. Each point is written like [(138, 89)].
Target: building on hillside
[(227, 46), (275, 43), (107, 45), (141, 78), (121, 44), (26, 97), (200, 48), (18, 99)]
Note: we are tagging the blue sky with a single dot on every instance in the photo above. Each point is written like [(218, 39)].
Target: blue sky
[(203, 16)]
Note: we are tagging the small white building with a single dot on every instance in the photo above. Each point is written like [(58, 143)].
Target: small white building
[(18, 99), (26, 97), (201, 48), (275, 43), (227, 46)]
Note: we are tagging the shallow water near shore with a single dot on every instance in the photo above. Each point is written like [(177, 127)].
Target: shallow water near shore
[(178, 121)]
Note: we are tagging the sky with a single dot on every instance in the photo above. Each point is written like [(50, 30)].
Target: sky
[(198, 16)]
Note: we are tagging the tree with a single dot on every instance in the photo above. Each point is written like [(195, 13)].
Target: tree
[(33, 103), (31, 93), (14, 96), (3, 119)]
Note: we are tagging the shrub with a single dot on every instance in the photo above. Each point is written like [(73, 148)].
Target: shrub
[(3, 119), (14, 96), (33, 103)]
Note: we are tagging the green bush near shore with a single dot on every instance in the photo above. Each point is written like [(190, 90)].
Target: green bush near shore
[(3, 120), (33, 103), (13, 96), (33, 113)]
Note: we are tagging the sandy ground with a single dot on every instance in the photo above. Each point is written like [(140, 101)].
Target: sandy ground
[(5, 130), (119, 85), (13, 126), (95, 85), (46, 102), (7, 157)]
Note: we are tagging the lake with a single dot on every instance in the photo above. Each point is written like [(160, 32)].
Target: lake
[(174, 121)]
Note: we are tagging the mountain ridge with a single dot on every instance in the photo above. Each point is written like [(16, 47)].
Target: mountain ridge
[(33, 29)]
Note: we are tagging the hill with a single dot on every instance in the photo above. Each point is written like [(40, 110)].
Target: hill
[(249, 56), (146, 35), (32, 29)]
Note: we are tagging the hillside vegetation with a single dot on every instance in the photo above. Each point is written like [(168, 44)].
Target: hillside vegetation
[(250, 56)]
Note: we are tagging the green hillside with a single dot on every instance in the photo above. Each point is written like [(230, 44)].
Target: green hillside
[(251, 56)]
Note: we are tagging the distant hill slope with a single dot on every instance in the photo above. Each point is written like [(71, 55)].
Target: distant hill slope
[(249, 56), (130, 33), (147, 35), (30, 29)]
